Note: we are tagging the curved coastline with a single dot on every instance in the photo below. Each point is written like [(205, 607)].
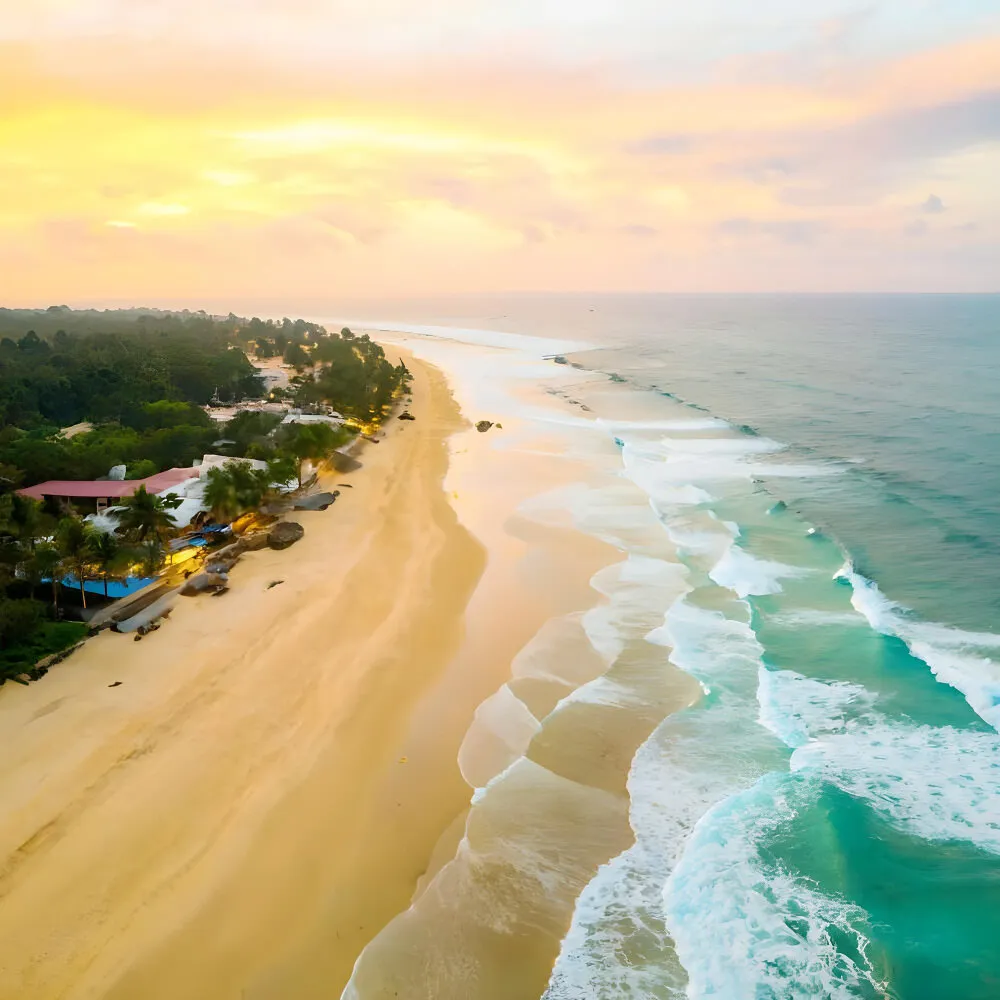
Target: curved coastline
[(183, 833)]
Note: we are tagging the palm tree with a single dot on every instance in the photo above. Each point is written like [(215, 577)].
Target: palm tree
[(47, 563), (311, 442), (28, 521), (108, 555), (150, 554), (75, 539), (238, 487), (147, 514), (220, 494)]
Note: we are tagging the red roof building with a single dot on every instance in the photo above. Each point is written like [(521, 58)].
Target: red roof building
[(104, 491)]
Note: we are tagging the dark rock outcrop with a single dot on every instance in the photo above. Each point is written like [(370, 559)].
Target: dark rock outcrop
[(284, 534), (205, 583), (317, 501), (406, 415), (483, 426), (254, 542), (223, 566)]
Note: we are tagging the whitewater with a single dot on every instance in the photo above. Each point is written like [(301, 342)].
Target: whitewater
[(822, 818)]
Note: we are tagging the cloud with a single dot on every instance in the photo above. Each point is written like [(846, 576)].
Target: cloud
[(933, 205), (252, 146), (663, 144), (640, 230), (765, 170), (797, 232), (855, 163)]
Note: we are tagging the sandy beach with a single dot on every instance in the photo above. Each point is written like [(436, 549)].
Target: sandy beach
[(283, 777), (177, 834)]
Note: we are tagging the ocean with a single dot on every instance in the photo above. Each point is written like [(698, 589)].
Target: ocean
[(804, 494)]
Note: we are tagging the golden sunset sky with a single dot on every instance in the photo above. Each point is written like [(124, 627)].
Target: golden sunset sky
[(173, 150)]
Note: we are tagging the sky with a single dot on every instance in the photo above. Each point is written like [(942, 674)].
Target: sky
[(187, 151)]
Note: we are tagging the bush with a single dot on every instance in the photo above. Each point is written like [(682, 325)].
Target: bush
[(18, 620), (50, 637)]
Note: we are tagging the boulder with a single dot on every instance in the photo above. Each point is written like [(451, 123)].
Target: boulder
[(317, 501), (406, 415), (254, 542), (204, 583), (230, 552), (22, 678), (284, 534), (483, 426), (217, 566)]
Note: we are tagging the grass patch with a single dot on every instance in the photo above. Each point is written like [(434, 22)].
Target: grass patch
[(51, 637)]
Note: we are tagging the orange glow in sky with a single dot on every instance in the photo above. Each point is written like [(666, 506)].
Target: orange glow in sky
[(173, 150)]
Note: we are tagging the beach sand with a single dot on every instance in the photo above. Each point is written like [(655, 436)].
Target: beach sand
[(277, 777), (266, 787), (173, 836)]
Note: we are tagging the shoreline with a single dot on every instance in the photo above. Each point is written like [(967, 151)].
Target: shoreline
[(137, 815), (285, 774)]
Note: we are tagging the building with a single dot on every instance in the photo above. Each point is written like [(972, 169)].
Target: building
[(106, 493)]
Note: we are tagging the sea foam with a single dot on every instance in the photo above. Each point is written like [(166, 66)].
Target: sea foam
[(747, 575), (746, 928), (953, 655), (937, 783)]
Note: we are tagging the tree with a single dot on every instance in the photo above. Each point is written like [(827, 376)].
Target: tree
[(47, 564), (26, 520), (221, 495), (108, 555), (75, 539), (18, 619), (142, 469), (310, 442), (237, 487), (296, 355), (148, 515), (281, 469), (151, 555)]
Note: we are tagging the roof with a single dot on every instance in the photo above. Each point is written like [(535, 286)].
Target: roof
[(110, 488)]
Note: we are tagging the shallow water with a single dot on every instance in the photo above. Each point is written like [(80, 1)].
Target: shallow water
[(803, 494)]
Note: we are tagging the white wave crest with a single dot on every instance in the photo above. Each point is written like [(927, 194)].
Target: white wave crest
[(941, 784), (797, 708), (953, 655), (744, 928), (747, 575)]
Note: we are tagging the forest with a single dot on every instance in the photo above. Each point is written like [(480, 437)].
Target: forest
[(83, 391)]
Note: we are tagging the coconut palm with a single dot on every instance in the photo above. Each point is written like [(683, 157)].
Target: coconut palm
[(47, 564), (311, 442), (75, 539), (148, 515), (220, 495), (234, 488), (151, 556), (108, 555)]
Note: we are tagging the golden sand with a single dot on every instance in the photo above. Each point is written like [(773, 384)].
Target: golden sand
[(277, 778), (176, 835)]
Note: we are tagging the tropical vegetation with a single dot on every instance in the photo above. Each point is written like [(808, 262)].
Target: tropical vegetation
[(84, 391)]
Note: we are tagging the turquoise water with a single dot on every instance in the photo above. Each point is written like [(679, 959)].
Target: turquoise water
[(825, 822)]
